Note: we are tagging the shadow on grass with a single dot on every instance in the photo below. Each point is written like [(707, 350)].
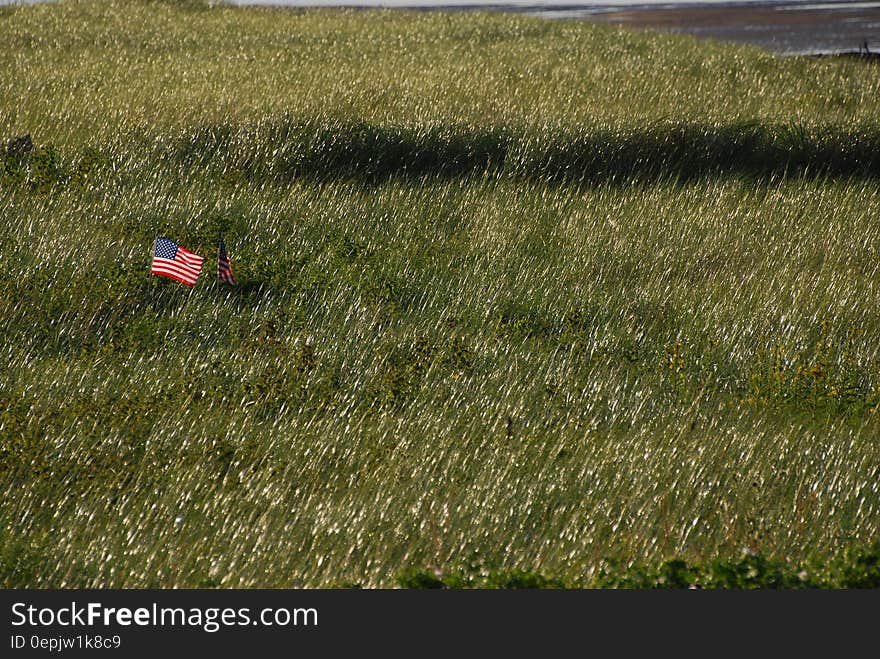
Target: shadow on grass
[(247, 291), (289, 149)]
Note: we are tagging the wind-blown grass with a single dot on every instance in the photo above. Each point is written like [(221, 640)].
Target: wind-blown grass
[(494, 327), (288, 149)]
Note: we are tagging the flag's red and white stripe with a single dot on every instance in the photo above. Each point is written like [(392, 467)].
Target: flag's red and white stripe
[(173, 261), (224, 268)]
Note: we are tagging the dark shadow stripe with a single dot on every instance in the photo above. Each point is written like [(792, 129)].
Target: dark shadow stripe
[(289, 149)]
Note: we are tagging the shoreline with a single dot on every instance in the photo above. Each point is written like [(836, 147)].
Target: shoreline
[(786, 27), (811, 30)]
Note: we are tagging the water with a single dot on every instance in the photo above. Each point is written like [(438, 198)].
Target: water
[(543, 6)]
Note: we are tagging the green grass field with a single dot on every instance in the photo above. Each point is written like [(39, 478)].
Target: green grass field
[(520, 302)]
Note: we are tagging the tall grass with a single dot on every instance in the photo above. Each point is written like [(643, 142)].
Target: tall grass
[(83, 71), (490, 312)]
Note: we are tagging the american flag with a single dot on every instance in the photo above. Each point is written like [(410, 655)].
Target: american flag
[(224, 269), (173, 261)]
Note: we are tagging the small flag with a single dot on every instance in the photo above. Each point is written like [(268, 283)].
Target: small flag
[(173, 261), (224, 269)]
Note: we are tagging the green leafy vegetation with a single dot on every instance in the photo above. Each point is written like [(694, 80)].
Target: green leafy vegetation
[(521, 303), (853, 569)]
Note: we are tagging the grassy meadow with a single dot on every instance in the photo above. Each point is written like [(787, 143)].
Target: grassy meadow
[(520, 302)]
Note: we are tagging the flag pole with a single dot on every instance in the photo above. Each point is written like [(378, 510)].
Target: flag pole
[(150, 274)]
